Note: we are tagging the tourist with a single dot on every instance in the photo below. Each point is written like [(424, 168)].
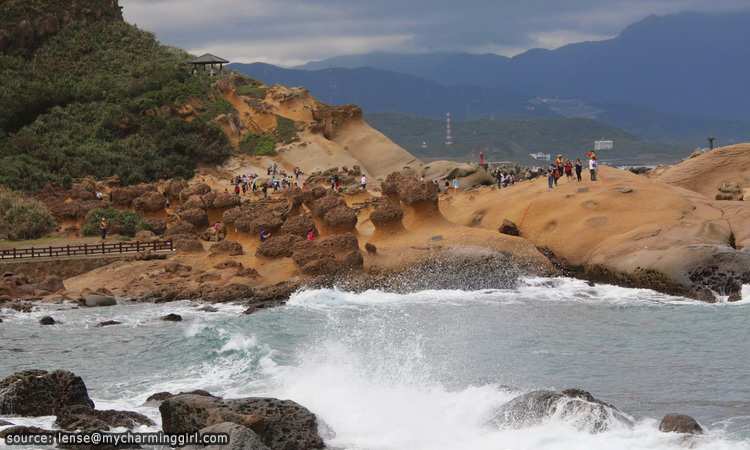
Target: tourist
[(100, 196), (336, 182), (166, 200), (236, 189), (264, 236), (310, 235), (268, 170), (551, 172), (103, 228), (363, 183), (568, 170), (593, 164), (447, 184), (217, 227), (455, 186), (265, 190), (274, 168), (579, 169), (560, 165)]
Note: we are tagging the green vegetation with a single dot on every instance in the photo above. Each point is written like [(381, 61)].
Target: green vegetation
[(286, 129), (87, 102), (514, 140), (22, 217), (258, 144), (123, 222), (13, 11), (252, 91)]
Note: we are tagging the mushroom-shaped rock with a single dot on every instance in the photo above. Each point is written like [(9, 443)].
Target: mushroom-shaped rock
[(341, 219), (278, 246), (322, 205), (195, 216), (232, 215), (226, 200), (196, 189), (387, 216), (181, 227), (158, 226), (173, 188), (299, 226), (188, 244), (145, 236), (150, 201), (331, 256), (230, 248)]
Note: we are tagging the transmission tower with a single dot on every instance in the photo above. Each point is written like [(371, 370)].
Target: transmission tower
[(448, 138)]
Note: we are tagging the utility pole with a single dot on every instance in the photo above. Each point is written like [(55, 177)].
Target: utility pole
[(448, 138), (711, 141)]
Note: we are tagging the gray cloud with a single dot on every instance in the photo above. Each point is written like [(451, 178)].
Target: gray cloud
[(291, 32)]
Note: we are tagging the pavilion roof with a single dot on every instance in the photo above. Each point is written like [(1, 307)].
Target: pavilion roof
[(208, 59)]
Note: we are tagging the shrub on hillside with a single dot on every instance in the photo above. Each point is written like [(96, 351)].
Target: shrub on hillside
[(258, 144), (123, 222), (22, 217)]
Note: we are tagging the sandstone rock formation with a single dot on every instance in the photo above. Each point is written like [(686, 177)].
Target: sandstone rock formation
[(34, 393)]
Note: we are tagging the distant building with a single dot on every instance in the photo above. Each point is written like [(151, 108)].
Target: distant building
[(603, 145), (208, 64)]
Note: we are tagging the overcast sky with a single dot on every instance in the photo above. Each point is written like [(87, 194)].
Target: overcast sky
[(291, 32)]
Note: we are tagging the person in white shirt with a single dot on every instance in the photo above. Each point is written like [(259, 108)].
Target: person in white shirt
[(593, 164), (363, 183)]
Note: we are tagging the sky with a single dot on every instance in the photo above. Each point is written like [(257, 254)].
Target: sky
[(293, 32)]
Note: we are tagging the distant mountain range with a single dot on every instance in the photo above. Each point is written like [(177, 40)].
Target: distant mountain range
[(689, 64), (377, 90)]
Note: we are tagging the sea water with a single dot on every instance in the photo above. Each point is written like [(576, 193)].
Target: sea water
[(422, 370)]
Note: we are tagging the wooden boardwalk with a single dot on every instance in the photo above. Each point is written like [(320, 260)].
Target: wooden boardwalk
[(83, 250)]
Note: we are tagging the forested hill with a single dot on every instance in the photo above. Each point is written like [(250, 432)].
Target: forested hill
[(86, 94)]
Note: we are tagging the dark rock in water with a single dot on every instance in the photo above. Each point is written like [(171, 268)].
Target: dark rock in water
[(288, 425), (161, 396), (24, 430), (575, 406), (172, 318), (271, 296), (509, 228), (371, 248), (4, 423), (240, 438), (84, 418), (280, 424), (680, 423), (47, 320), (34, 393), (107, 323), (208, 309), (96, 300)]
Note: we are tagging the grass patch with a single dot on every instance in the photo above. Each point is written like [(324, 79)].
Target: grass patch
[(258, 144)]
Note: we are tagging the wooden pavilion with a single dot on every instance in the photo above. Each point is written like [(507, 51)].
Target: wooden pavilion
[(208, 64)]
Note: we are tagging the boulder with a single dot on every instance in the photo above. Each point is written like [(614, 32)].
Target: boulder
[(278, 246), (574, 406), (150, 201), (34, 393), (299, 226), (145, 236), (51, 283), (341, 218), (232, 292), (180, 227), (158, 226), (96, 300), (147, 255), (231, 248), (272, 296), (331, 256), (124, 196), (107, 323), (173, 188), (196, 189), (387, 217), (185, 244), (172, 318), (411, 192), (269, 221), (161, 396), (322, 205), (194, 202), (232, 215), (47, 320), (195, 216), (240, 438), (280, 424), (680, 423), (509, 228), (371, 248), (226, 200), (173, 267), (84, 418)]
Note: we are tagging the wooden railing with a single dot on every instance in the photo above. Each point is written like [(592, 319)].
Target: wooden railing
[(85, 250)]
